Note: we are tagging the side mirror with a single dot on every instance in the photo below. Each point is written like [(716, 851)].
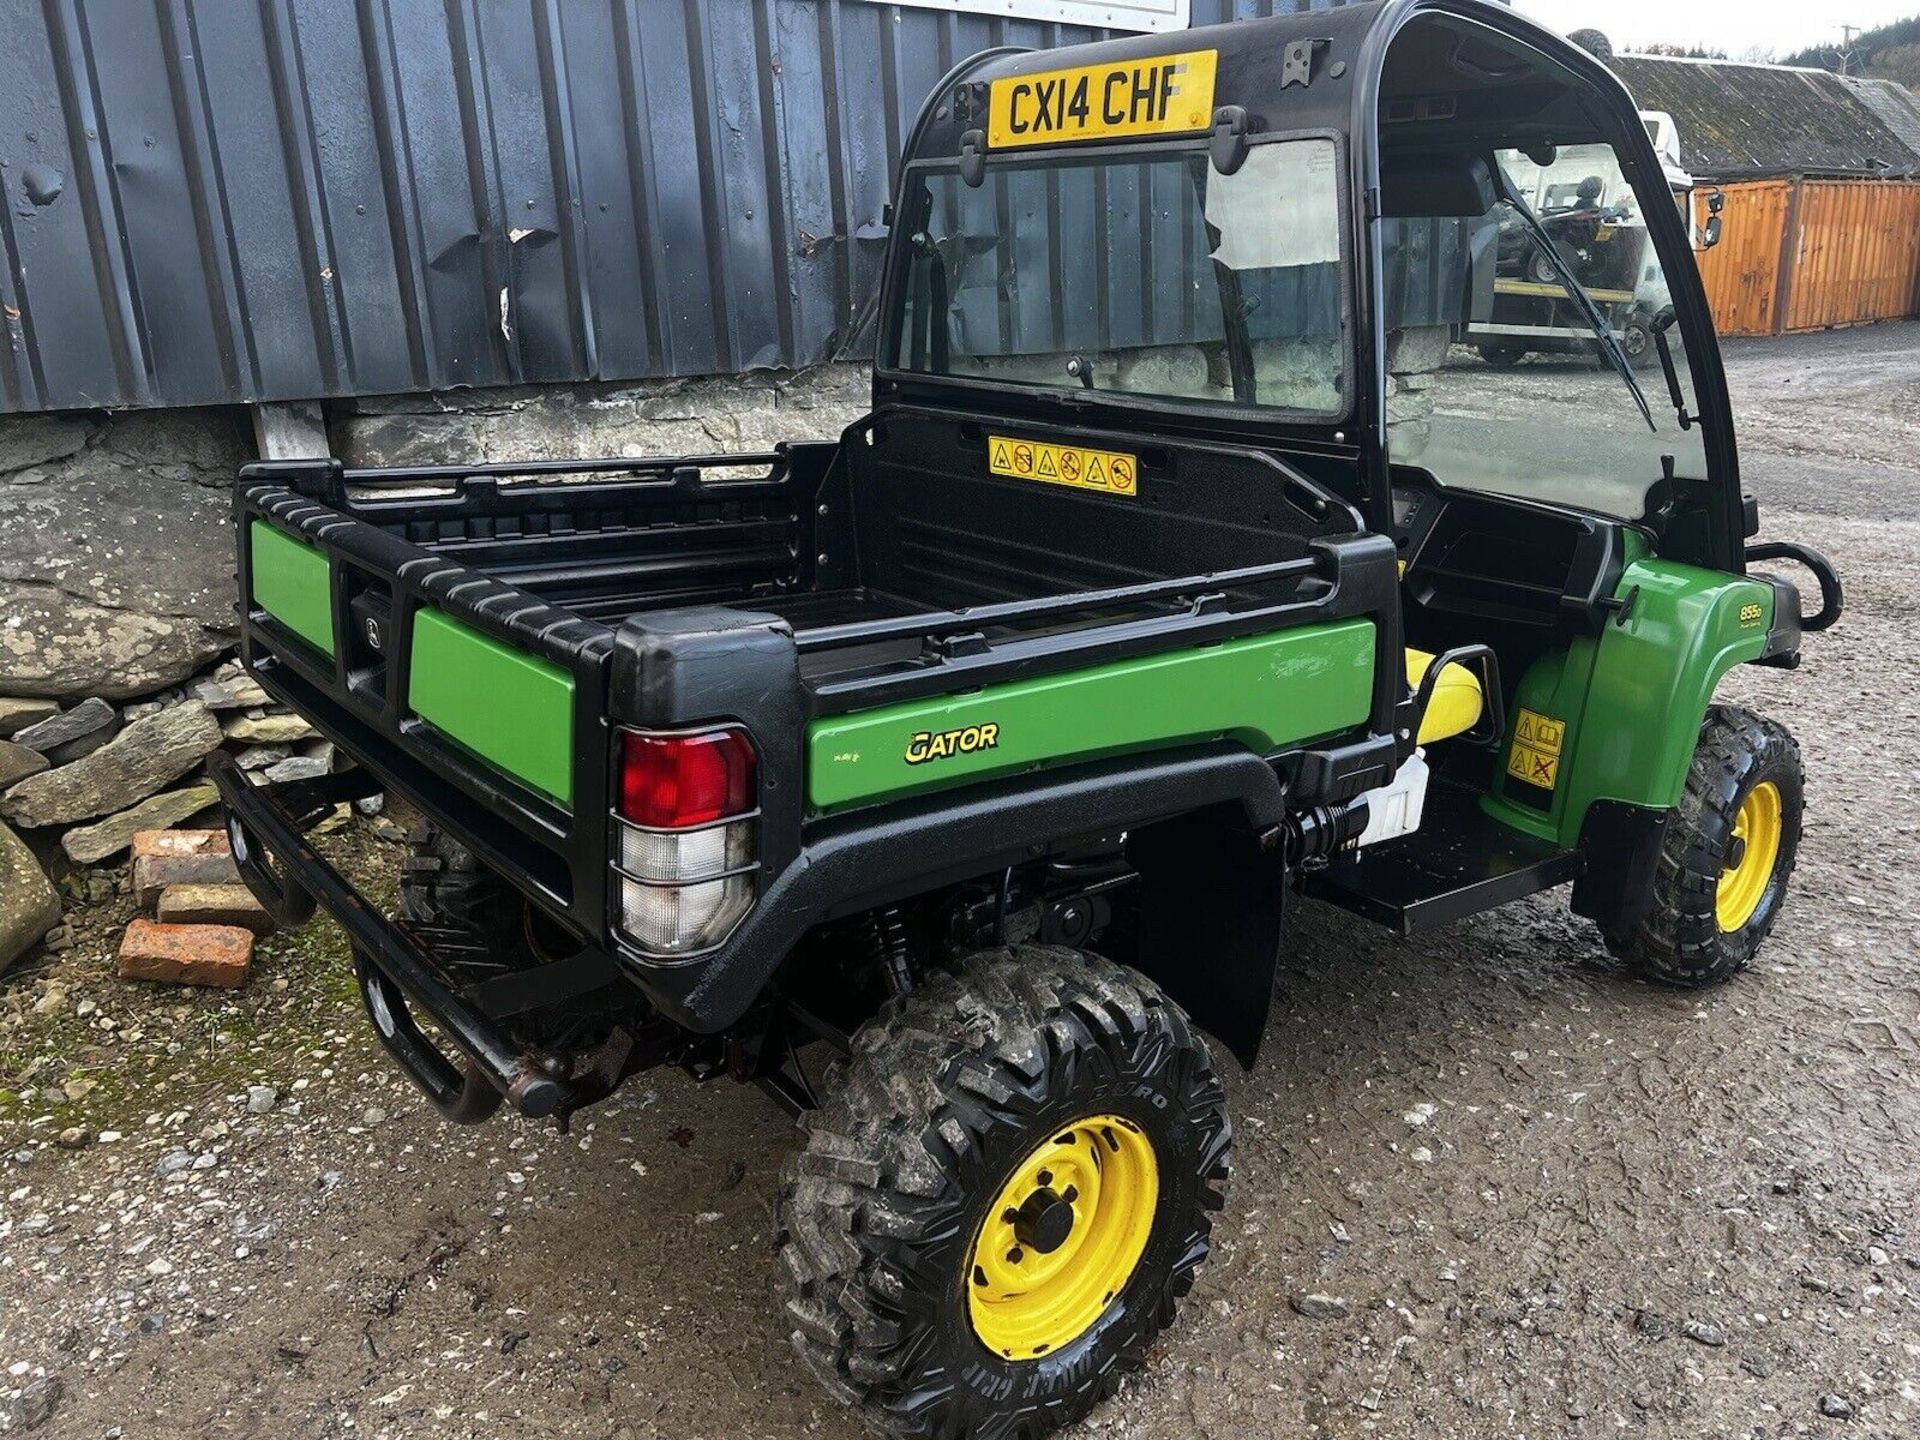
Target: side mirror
[(1716, 202), (1710, 236)]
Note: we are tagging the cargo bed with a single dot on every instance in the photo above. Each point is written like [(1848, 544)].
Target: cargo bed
[(472, 634)]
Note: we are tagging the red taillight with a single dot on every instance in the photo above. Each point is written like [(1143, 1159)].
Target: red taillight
[(672, 782)]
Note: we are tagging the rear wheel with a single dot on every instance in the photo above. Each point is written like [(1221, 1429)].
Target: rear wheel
[(1502, 354), (1006, 1197), (1636, 341), (1728, 854)]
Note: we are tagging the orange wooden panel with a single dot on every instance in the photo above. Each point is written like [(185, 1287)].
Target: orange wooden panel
[(1857, 257), (1741, 273)]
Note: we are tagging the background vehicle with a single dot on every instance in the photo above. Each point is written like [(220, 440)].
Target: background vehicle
[(1591, 212), (985, 747)]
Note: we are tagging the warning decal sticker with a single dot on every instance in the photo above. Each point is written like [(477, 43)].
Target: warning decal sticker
[(1108, 471), (1535, 756)]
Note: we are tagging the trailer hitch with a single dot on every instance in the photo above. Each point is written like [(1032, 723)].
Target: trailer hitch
[(395, 973)]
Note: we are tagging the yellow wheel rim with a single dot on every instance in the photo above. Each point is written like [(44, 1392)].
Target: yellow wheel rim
[(1756, 846), (1062, 1237)]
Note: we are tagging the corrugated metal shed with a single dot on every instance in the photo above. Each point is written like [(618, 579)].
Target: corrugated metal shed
[(1752, 122), (208, 201)]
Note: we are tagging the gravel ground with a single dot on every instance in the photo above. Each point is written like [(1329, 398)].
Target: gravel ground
[(1547, 1199)]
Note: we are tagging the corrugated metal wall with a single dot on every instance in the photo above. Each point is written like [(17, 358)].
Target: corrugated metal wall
[(212, 201), (1811, 254)]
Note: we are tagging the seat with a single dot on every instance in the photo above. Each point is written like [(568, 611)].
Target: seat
[(1457, 703)]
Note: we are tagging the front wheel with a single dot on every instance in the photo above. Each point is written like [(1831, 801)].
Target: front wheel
[(1728, 853), (1003, 1202)]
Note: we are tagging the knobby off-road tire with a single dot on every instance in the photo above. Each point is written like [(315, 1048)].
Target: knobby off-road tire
[(942, 1105), (1689, 937), (475, 924)]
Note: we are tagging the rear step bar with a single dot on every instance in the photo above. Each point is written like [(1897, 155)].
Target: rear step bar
[(289, 877)]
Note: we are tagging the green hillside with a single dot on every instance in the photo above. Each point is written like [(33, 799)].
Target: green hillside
[(1891, 51)]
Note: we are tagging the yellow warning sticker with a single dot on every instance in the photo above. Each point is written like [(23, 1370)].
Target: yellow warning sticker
[(1108, 471), (1160, 95), (1535, 756)]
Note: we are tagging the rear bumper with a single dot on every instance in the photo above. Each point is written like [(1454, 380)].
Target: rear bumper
[(291, 879)]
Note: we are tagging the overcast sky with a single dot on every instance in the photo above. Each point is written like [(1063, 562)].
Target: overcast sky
[(1782, 26)]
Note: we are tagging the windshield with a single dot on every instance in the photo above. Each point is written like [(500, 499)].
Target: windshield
[(1158, 277), (1510, 388)]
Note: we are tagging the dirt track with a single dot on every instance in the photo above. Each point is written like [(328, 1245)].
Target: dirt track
[(1555, 1201)]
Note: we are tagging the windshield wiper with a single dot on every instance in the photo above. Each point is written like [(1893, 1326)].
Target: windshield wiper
[(1576, 292)]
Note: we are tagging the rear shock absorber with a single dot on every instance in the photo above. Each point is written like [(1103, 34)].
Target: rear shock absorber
[(885, 933)]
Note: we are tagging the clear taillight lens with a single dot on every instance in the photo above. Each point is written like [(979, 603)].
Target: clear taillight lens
[(683, 919), (677, 857)]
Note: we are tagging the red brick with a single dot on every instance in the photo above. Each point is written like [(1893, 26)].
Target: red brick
[(213, 905), (154, 873), (175, 843), (186, 954)]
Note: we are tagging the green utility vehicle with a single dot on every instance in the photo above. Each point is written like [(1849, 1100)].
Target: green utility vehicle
[(949, 779)]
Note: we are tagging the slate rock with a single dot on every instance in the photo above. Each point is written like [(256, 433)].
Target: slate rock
[(299, 767), (88, 718), (19, 711), (235, 693), (117, 569), (35, 439), (17, 762), (259, 757), (93, 843), (141, 759), (1704, 1332), (36, 1403), (268, 729), (29, 905), (1318, 1306)]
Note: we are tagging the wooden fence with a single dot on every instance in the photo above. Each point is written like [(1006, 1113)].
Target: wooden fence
[(1812, 254)]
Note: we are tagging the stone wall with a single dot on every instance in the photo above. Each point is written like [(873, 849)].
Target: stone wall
[(117, 599), (683, 417), (116, 548)]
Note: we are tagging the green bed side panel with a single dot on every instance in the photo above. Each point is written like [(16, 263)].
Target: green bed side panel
[(1632, 700), (1266, 692), (292, 582), (512, 710)]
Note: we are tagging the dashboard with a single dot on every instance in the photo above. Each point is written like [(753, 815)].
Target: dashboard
[(1499, 558)]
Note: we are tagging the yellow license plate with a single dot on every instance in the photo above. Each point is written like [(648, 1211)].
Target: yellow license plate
[(1108, 471), (1164, 95)]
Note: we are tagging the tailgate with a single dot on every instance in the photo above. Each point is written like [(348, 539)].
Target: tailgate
[(477, 702)]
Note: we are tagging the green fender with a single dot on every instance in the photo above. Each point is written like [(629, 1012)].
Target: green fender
[(1624, 708)]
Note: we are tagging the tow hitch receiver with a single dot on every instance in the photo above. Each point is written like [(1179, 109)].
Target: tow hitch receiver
[(291, 878)]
